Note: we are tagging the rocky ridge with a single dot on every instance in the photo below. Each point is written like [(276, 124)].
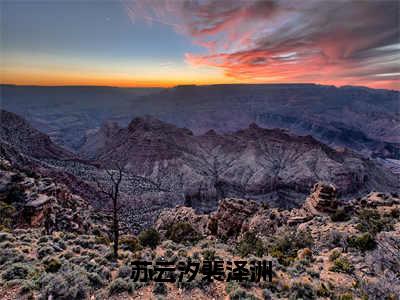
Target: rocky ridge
[(321, 256), (31, 200), (271, 166)]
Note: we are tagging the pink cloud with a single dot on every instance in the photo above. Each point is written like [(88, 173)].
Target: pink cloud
[(335, 42)]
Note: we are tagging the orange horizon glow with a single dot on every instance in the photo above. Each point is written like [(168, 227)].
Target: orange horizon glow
[(168, 43), (170, 83)]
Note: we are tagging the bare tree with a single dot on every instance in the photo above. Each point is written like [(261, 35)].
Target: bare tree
[(112, 191)]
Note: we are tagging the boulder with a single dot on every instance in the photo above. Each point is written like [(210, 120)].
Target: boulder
[(265, 222), (171, 216), (322, 199), (228, 220)]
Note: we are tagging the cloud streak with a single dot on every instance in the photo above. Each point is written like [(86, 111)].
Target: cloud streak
[(334, 42)]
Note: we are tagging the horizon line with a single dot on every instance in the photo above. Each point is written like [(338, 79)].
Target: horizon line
[(196, 85)]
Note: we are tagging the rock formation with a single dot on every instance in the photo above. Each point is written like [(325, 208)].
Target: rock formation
[(322, 199), (171, 216)]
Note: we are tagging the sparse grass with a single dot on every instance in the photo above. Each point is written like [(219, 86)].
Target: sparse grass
[(16, 271), (323, 291), (208, 254), (182, 232), (287, 244), (371, 221), (300, 290), (6, 214), (250, 244), (124, 272), (334, 255), (96, 281), (45, 251), (149, 238), (342, 265), (160, 288), (363, 242), (52, 264), (340, 215), (70, 282), (118, 286), (241, 294), (346, 297), (103, 240), (130, 243)]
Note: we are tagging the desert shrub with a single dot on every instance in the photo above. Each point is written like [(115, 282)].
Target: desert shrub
[(363, 242), (124, 272), (345, 297), (267, 294), (70, 236), (305, 255), (16, 194), (287, 244), (52, 264), (103, 240), (60, 245), (10, 256), (300, 290), (336, 239), (44, 239), (160, 288), (16, 271), (197, 282), (169, 253), (313, 273), (7, 212), (92, 254), (109, 256), (231, 286), (4, 228), (208, 254), (101, 261), (213, 226), (6, 245), (342, 265), (95, 280), (340, 215), (85, 242), (334, 255), (45, 251), (104, 272), (149, 238), (170, 245), (76, 249), (323, 291), (70, 282), (27, 286), (67, 255), (183, 232), (395, 213), (196, 255), (16, 178), (250, 244), (130, 243), (6, 237), (118, 286), (371, 221), (82, 260), (26, 238), (241, 294)]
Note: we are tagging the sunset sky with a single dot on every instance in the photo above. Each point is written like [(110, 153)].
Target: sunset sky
[(166, 43)]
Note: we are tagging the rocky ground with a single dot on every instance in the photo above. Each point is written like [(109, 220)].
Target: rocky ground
[(53, 245)]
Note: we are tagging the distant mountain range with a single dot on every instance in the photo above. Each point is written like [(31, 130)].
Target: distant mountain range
[(362, 119), (269, 165)]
